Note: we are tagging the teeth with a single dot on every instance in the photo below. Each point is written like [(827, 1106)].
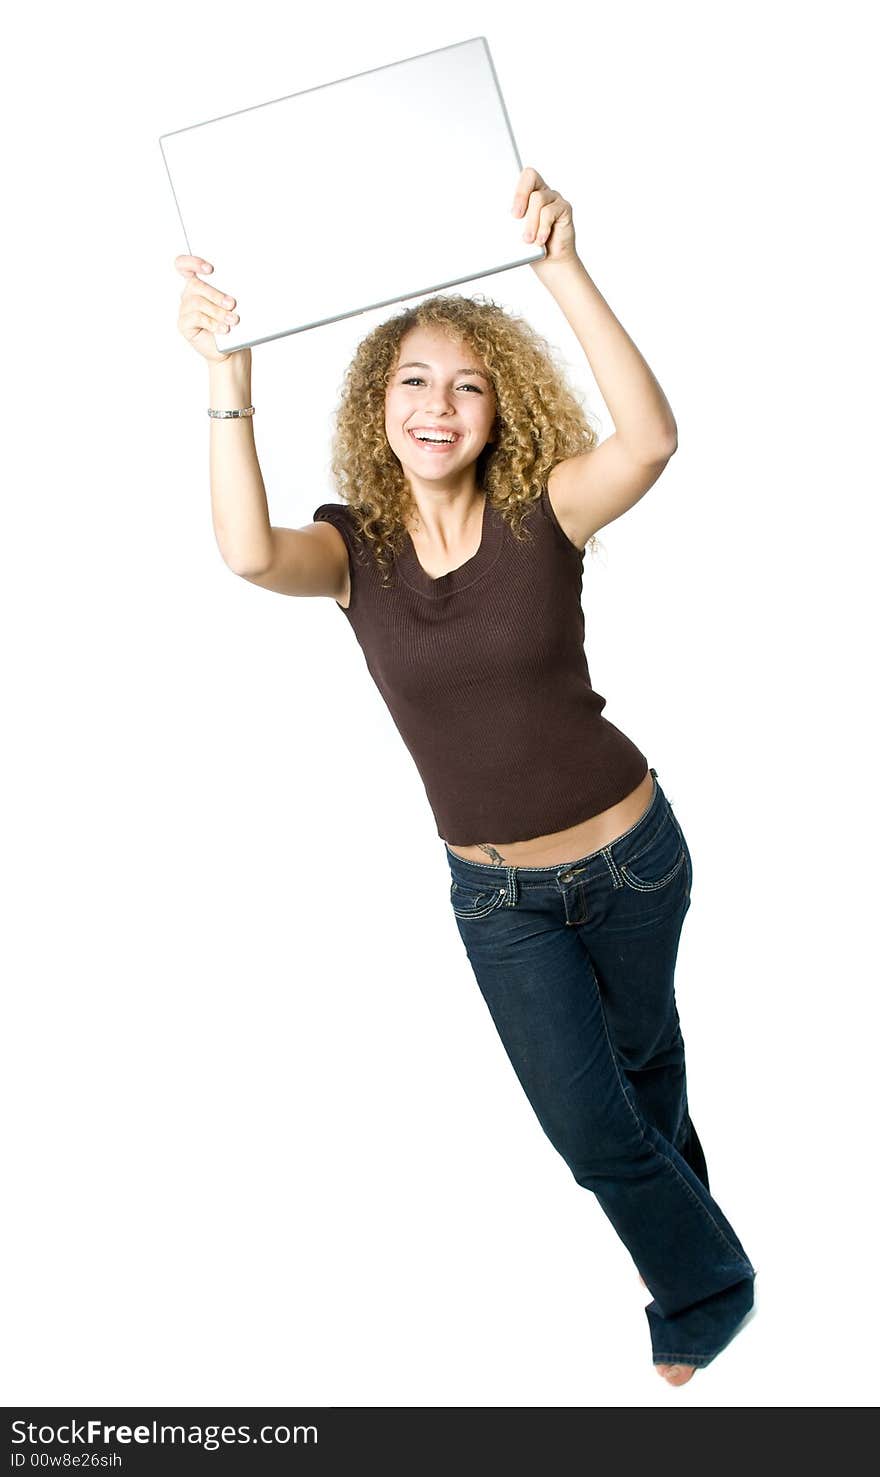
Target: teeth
[(441, 439)]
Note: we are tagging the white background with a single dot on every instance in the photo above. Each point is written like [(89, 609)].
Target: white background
[(262, 1142)]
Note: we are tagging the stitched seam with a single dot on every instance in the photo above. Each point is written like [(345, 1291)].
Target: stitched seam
[(449, 593), (480, 912), (649, 839), (697, 1360), (650, 886), (545, 887)]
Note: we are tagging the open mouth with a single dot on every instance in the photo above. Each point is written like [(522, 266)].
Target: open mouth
[(435, 446)]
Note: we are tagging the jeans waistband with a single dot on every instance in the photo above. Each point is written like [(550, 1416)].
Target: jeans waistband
[(463, 869)]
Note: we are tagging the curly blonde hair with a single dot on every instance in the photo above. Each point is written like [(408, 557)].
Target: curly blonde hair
[(539, 422)]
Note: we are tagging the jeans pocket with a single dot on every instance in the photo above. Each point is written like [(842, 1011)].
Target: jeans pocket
[(469, 902), (653, 863)]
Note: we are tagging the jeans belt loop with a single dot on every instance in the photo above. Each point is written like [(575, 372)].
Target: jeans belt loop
[(512, 888)]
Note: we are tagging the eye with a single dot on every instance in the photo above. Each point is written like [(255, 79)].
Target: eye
[(417, 379)]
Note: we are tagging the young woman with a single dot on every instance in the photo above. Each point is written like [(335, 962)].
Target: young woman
[(472, 485)]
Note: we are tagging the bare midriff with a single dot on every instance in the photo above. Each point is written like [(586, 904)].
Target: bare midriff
[(569, 845)]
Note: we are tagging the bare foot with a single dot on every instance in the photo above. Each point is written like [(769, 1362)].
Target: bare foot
[(676, 1374)]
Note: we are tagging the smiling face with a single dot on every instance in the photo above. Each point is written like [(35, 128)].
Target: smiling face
[(441, 388)]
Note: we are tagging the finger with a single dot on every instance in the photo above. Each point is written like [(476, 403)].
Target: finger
[(190, 265), (528, 181), (537, 205), (199, 290), (549, 215), (203, 320), (537, 199), (218, 318)]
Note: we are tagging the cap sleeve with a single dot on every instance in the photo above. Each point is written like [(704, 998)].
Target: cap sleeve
[(341, 516)]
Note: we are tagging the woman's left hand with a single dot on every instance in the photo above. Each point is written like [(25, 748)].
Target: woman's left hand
[(546, 219)]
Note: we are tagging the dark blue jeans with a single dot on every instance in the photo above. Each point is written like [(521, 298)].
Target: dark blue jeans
[(575, 963)]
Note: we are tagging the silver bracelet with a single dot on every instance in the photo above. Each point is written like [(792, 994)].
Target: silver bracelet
[(222, 415)]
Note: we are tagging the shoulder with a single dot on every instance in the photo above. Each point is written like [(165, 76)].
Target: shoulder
[(550, 514), (340, 515), (595, 487), (345, 520)]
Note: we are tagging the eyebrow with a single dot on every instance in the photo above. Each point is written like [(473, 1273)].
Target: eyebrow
[(417, 364)]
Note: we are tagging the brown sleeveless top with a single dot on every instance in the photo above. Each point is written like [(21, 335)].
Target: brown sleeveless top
[(485, 675)]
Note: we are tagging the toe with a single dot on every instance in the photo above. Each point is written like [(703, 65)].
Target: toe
[(676, 1374)]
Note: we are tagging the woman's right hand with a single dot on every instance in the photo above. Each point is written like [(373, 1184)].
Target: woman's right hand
[(204, 311)]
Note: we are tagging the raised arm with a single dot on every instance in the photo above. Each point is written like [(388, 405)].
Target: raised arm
[(293, 561), (312, 560)]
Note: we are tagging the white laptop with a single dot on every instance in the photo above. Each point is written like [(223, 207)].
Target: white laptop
[(390, 184)]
